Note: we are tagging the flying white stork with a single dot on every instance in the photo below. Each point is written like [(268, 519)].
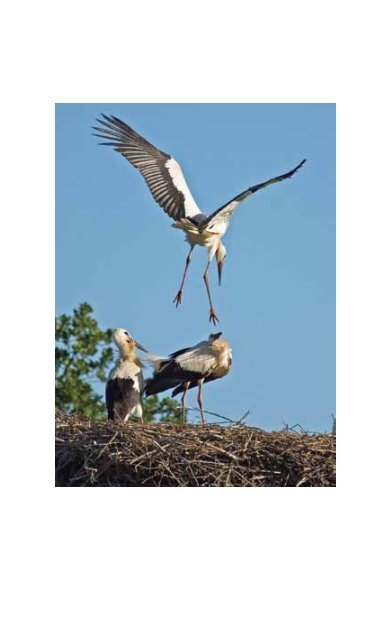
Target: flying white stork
[(125, 382), (190, 367), (169, 188)]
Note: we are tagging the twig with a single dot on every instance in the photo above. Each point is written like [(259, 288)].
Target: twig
[(226, 453), (218, 415), (108, 444)]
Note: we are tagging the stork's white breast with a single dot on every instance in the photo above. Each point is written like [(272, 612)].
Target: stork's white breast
[(126, 369), (226, 358), (219, 227)]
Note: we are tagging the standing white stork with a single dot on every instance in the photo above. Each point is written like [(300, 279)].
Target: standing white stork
[(125, 382), (190, 367), (169, 188)]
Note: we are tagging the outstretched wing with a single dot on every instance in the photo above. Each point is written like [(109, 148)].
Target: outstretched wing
[(223, 213), (186, 365), (198, 360), (169, 375), (215, 374), (162, 173)]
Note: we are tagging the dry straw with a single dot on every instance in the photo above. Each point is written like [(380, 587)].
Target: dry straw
[(92, 453)]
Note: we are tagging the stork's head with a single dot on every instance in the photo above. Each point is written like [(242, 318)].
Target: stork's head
[(125, 342), (214, 336), (220, 255)]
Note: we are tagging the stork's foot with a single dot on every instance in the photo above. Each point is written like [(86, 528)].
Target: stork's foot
[(177, 298), (213, 316)]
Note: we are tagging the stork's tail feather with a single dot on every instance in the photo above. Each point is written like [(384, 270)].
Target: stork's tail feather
[(155, 361)]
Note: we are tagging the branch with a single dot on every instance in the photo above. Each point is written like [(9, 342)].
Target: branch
[(218, 415)]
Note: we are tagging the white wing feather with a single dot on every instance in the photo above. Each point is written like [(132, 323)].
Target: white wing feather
[(178, 179), (199, 359), (155, 361)]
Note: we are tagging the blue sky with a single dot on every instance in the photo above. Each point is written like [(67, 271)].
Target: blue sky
[(115, 247)]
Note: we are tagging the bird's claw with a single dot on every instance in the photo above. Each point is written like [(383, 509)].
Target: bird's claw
[(177, 298), (213, 317)]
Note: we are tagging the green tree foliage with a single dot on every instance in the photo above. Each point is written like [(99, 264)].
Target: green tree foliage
[(161, 410), (84, 357)]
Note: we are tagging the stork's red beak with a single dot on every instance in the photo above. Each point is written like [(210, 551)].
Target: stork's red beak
[(139, 346)]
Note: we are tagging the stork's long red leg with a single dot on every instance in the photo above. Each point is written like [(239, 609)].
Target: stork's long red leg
[(212, 315), (183, 402), (178, 296), (200, 402)]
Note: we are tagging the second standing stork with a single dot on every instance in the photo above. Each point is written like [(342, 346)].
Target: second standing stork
[(190, 367), (169, 188)]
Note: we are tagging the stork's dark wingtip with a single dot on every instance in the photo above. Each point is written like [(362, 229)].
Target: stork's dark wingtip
[(96, 135), (301, 163), (106, 119), (297, 168), (104, 124), (99, 135)]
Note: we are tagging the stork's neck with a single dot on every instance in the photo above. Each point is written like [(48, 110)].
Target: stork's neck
[(130, 357), (220, 348), (127, 351), (223, 356)]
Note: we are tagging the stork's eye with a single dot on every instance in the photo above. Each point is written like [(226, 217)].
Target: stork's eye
[(126, 333)]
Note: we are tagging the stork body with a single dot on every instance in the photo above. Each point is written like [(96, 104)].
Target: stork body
[(209, 238), (169, 188), (191, 367), (125, 382)]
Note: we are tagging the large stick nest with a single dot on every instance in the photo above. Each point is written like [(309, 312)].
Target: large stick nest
[(90, 453)]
